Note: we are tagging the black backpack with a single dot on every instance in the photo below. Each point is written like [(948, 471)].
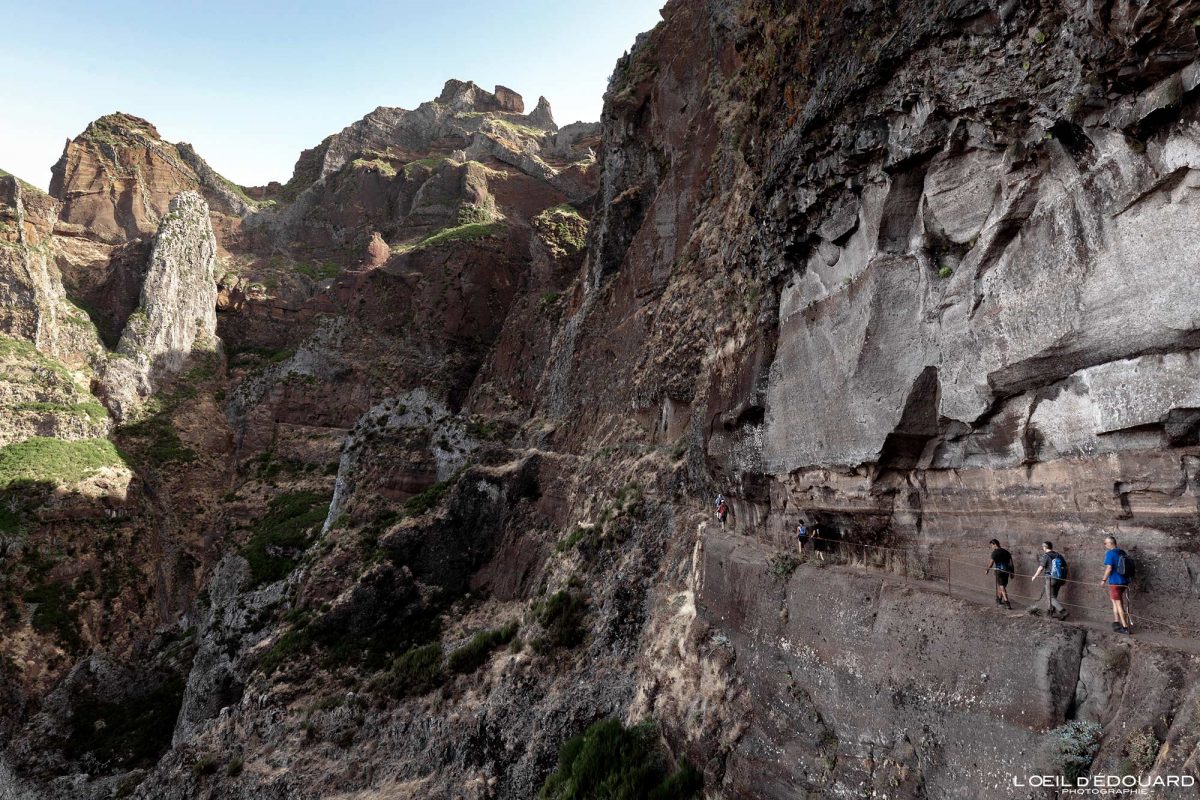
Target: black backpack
[(1125, 566)]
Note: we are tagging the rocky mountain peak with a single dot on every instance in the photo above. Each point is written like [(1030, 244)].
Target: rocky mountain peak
[(468, 96), (120, 124), (116, 179), (542, 116)]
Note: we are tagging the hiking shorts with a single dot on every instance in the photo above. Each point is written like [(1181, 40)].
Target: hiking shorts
[(1117, 590), (1001, 577)]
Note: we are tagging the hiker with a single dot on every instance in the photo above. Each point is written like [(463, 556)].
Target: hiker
[(720, 499), (1117, 569), (814, 537), (1001, 566), (1055, 567), (801, 535), (722, 511)]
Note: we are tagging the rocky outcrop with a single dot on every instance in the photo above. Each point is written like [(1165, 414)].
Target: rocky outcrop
[(176, 312), (449, 121), (33, 303), (116, 180)]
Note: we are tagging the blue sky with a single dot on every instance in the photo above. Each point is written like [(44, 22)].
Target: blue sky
[(250, 84)]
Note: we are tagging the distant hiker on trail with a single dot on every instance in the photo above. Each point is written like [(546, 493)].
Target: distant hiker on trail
[(1055, 567), (1118, 569), (722, 511), (801, 535), (720, 499), (1001, 566)]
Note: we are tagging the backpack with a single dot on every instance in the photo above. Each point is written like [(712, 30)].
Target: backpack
[(1125, 566), (1058, 567)]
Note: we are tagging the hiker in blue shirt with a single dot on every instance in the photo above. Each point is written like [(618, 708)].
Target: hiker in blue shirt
[(1055, 567), (1117, 581)]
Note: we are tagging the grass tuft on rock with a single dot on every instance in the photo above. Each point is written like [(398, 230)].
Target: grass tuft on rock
[(415, 672), (562, 616), (612, 762), (469, 232), (475, 653)]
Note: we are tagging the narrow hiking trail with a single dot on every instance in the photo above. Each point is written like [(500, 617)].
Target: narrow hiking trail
[(1082, 617)]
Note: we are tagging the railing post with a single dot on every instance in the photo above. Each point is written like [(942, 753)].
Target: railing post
[(949, 588)]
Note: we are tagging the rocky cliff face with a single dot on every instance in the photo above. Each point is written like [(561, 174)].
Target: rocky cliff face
[(116, 180), (176, 314), (35, 307), (915, 273)]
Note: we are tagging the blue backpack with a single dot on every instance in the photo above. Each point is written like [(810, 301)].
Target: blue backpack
[(1058, 567)]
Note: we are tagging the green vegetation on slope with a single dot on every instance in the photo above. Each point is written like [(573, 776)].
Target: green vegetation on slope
[(378, 164), (459, 233), (282, 533), (53, 614), (89, 409), (55, 461), (519, 128), (611, 762), (11, 348), (474, 654), (562, 228), (159, 440), (318, 270), (562, 615), (415, 672)]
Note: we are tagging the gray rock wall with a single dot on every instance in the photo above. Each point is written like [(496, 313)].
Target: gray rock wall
[(176, 312)]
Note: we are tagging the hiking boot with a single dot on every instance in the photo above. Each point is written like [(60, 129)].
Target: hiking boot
[(1125, 630), (1060, 614), (1006, 604), (1117, 627)]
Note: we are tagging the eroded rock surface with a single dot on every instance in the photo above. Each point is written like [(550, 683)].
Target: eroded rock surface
[(918, 273), (176, 312)]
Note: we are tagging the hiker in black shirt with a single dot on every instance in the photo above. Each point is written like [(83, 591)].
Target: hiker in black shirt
[(1002, 567)]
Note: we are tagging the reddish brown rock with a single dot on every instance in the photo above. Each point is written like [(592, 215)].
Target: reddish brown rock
[(508, 100), (378, 251), (116, 179)]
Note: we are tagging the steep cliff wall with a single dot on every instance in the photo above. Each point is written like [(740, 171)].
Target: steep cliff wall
[(917, 273), (176, 313)]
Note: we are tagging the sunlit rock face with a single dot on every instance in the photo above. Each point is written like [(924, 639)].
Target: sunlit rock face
[(917, 273)]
